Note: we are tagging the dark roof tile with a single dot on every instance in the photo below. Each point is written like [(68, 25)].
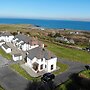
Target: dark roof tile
[(40, 53)]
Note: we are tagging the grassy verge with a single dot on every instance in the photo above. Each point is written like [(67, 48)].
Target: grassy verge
[(5, 55), (1, 88), (64, 86), (85, 74), (22, 72), (63, 67), (69, 53)]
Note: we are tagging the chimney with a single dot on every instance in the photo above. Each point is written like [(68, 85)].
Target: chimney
[(49, 54), (42, 45)]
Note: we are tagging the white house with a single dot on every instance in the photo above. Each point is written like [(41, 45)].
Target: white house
[(6, 36), (6, 48), (24, 42), (1, 43), (39, 59), (17, 57), (61, 39)]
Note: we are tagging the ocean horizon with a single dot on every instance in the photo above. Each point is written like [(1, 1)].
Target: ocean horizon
[(53, 24)]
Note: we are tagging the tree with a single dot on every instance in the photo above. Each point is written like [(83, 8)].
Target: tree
[(35, 85)]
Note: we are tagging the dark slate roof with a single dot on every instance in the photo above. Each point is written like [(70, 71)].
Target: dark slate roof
[(22, 37), (5, 46), (6, 34), (2, 41), (16, 55), (60, 38), (39, 53)]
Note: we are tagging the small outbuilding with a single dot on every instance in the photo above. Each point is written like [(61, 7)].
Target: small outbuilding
[(6, 48), (2, 42), (17, 57)]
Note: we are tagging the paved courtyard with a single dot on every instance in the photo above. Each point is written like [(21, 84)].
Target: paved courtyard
[(15, 50), (31, 72)]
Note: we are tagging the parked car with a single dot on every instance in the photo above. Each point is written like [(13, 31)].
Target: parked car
[(87, 67), (86, 49), (47, 77)]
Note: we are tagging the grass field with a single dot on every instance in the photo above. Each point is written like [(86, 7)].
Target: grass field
[(22, 72), (69, 53), (65, 85), (5, 55), (1, 88)]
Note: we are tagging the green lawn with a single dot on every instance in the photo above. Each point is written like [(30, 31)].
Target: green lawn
[(64, 86), (63, 67), (22, 72), (85, 73), (1, 88), (69, 53), (5, 55)]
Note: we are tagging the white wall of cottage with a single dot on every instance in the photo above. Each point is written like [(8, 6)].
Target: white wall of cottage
[(43, 62), (6, 38), (8, 50), (16, 58)]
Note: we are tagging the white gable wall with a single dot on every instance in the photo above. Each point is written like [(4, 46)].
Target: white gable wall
[(50, 62), (25, 47), (1, 38), (43, 62), (1, 43)]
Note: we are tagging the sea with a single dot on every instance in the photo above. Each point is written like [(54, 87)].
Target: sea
[(52, 24)]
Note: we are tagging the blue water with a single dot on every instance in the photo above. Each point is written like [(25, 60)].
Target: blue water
[(56, 24)]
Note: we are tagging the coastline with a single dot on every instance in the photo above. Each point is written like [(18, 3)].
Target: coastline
[(37, 27), (50, 24)]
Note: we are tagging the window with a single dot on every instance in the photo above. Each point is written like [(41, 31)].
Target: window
[(41, 59), (51, 67), (45, 66), (41, 67)]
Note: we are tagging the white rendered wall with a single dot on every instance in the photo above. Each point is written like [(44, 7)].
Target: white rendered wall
[(25, 47), (6, 38), (2, 43), (50, 62), (6, 50), (17, 58)]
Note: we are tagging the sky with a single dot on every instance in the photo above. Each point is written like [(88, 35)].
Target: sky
[(45, 9)]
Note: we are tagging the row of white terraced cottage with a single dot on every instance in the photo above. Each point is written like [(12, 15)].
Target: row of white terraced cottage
[(22, 42), (37, 58)]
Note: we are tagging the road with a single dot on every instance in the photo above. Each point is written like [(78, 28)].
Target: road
[(74, 67), (3, 61), (11, 80)]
